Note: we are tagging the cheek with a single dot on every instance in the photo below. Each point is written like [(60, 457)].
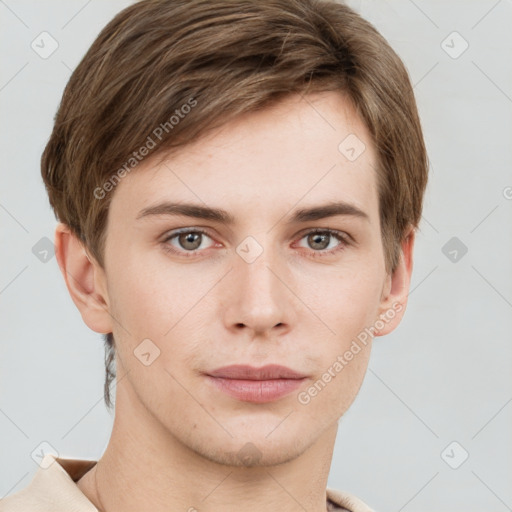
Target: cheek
[(150, 305), (341, 359), (157, 300), (346, 300), (347, 304), (334, 390), (151, 294)]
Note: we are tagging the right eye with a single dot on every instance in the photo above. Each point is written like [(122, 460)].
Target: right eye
[(187, 241)]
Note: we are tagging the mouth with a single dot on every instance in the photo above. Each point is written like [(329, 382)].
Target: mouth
[(257, 385)]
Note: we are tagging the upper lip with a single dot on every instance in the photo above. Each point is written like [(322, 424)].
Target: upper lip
[(267, 372)]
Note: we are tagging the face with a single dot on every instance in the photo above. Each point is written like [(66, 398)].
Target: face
[(278, 280)]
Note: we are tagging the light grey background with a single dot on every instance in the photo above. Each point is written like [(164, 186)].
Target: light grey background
[(444, 375)]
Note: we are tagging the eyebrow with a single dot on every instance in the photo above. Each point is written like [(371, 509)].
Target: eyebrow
[(222, 216)]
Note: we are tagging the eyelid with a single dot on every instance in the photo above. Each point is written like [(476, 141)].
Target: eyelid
[(174, 232), (335, 232)]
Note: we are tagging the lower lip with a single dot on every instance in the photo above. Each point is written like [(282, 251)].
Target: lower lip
[(257, 391)]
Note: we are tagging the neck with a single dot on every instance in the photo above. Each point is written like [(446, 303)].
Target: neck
[(145, 468)]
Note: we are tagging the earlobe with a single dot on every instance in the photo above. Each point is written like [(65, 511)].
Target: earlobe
[(396, 289), (84, 278)]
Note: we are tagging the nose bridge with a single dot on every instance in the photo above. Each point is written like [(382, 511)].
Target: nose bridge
[(259, 299)]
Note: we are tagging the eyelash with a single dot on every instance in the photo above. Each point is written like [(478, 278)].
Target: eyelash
[(342, 237)]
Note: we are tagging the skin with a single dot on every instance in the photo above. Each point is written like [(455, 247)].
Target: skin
[(177, 441)]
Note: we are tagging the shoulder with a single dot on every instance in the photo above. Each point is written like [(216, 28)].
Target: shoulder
[(52, 489), (343, 500)]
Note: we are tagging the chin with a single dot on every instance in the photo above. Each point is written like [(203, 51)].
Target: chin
[(253, 454), (254, 447)]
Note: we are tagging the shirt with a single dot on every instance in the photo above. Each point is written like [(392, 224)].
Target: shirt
[(53, 489)]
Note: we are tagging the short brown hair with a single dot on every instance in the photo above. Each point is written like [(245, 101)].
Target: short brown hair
[(224, 58)]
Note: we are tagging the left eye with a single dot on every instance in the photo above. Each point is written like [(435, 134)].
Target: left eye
[(321, 240)]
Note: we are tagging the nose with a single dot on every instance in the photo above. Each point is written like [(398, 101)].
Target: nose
[(258, 297)]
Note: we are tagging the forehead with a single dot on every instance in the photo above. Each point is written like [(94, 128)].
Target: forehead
[(303, 150)]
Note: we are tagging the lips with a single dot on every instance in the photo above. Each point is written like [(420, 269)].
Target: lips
[(244, 372), (257, 385)]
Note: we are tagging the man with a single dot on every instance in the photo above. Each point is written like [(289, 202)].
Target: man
[(238, 186)]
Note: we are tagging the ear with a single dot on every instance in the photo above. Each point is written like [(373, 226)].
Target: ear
[(85, 280), (396, 289)]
